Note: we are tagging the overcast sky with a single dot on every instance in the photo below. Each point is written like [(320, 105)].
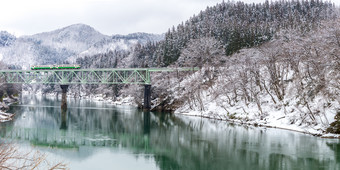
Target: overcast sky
[(27, 17)]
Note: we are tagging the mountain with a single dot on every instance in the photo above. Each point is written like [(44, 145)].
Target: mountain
[(76, 38), (64, 45)]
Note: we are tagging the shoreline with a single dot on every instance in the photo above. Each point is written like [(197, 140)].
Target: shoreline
[(317, 133), (256, 124), (239, 121)]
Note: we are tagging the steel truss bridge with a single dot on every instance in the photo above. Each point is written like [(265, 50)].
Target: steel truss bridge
[(84, 76), (64, 78)]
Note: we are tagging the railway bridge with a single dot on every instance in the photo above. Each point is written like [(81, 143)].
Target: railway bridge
[(66, 77)]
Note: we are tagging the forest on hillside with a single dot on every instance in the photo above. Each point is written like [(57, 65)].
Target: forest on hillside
[(235, 25)]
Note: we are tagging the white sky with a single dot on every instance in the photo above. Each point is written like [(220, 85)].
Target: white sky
[(27, 17)]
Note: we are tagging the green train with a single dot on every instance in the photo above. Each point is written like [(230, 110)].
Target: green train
[(55, 67)]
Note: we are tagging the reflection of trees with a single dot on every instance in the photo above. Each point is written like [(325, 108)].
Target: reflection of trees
[(175, 143), (194, 146), (335, 146), (281, 161)]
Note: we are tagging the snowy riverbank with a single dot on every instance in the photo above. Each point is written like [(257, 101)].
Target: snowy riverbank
[(276, 119)]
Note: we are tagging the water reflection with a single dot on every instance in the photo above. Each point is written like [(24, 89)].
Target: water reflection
[(146, 119), (63, 115), (87, 129)]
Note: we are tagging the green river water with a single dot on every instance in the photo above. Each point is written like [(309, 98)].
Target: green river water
[(96, 135)]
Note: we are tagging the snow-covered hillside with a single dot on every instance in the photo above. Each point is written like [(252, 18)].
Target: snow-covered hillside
[(64, 45)]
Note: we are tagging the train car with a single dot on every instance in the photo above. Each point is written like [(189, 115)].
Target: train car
[(55, 67)]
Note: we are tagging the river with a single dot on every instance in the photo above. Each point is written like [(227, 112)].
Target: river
[(98, 135)]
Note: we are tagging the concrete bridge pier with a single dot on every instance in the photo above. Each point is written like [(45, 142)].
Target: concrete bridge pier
[(63, 97), (147, 97)]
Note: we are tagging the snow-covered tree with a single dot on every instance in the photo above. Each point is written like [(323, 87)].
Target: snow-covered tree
[(6, 38), (201, 51)]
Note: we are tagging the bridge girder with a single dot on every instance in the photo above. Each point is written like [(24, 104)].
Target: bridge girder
[(84, 76)]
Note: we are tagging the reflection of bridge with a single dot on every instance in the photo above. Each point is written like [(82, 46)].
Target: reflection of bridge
[(73, 138), (87, 76)]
